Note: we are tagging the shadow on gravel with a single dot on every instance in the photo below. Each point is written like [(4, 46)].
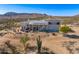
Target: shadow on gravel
[(72, 36)]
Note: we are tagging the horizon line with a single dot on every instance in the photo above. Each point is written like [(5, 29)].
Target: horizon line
[(39, 13)]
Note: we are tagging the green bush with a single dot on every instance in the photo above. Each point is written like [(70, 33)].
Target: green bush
[(65, 29)]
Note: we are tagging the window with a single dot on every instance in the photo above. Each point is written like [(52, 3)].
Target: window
[(49, 23), (58, 23)]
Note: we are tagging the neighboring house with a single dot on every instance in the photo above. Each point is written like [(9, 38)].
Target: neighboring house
[(41, 25)]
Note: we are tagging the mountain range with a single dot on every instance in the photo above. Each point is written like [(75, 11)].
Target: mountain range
[(15, 15), (37, 16)]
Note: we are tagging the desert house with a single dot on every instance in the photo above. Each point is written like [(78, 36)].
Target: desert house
[(41, 25)]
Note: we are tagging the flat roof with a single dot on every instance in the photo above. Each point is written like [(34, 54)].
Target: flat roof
[(38, 22)]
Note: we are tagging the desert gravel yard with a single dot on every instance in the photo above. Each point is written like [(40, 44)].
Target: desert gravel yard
[(58, 43)]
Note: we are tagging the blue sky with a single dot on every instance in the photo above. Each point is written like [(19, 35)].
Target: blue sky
[(50, 9)]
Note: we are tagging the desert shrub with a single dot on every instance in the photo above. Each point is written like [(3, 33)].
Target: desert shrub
[(65, 29), (69, 45), (23, 40), (12, 48), (8, 48), (8, 24), (77, 49)]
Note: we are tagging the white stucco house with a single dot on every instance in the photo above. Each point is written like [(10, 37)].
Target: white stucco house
[(41, 25)]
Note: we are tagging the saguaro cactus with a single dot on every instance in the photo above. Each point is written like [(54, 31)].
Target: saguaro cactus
[(39, 44)]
